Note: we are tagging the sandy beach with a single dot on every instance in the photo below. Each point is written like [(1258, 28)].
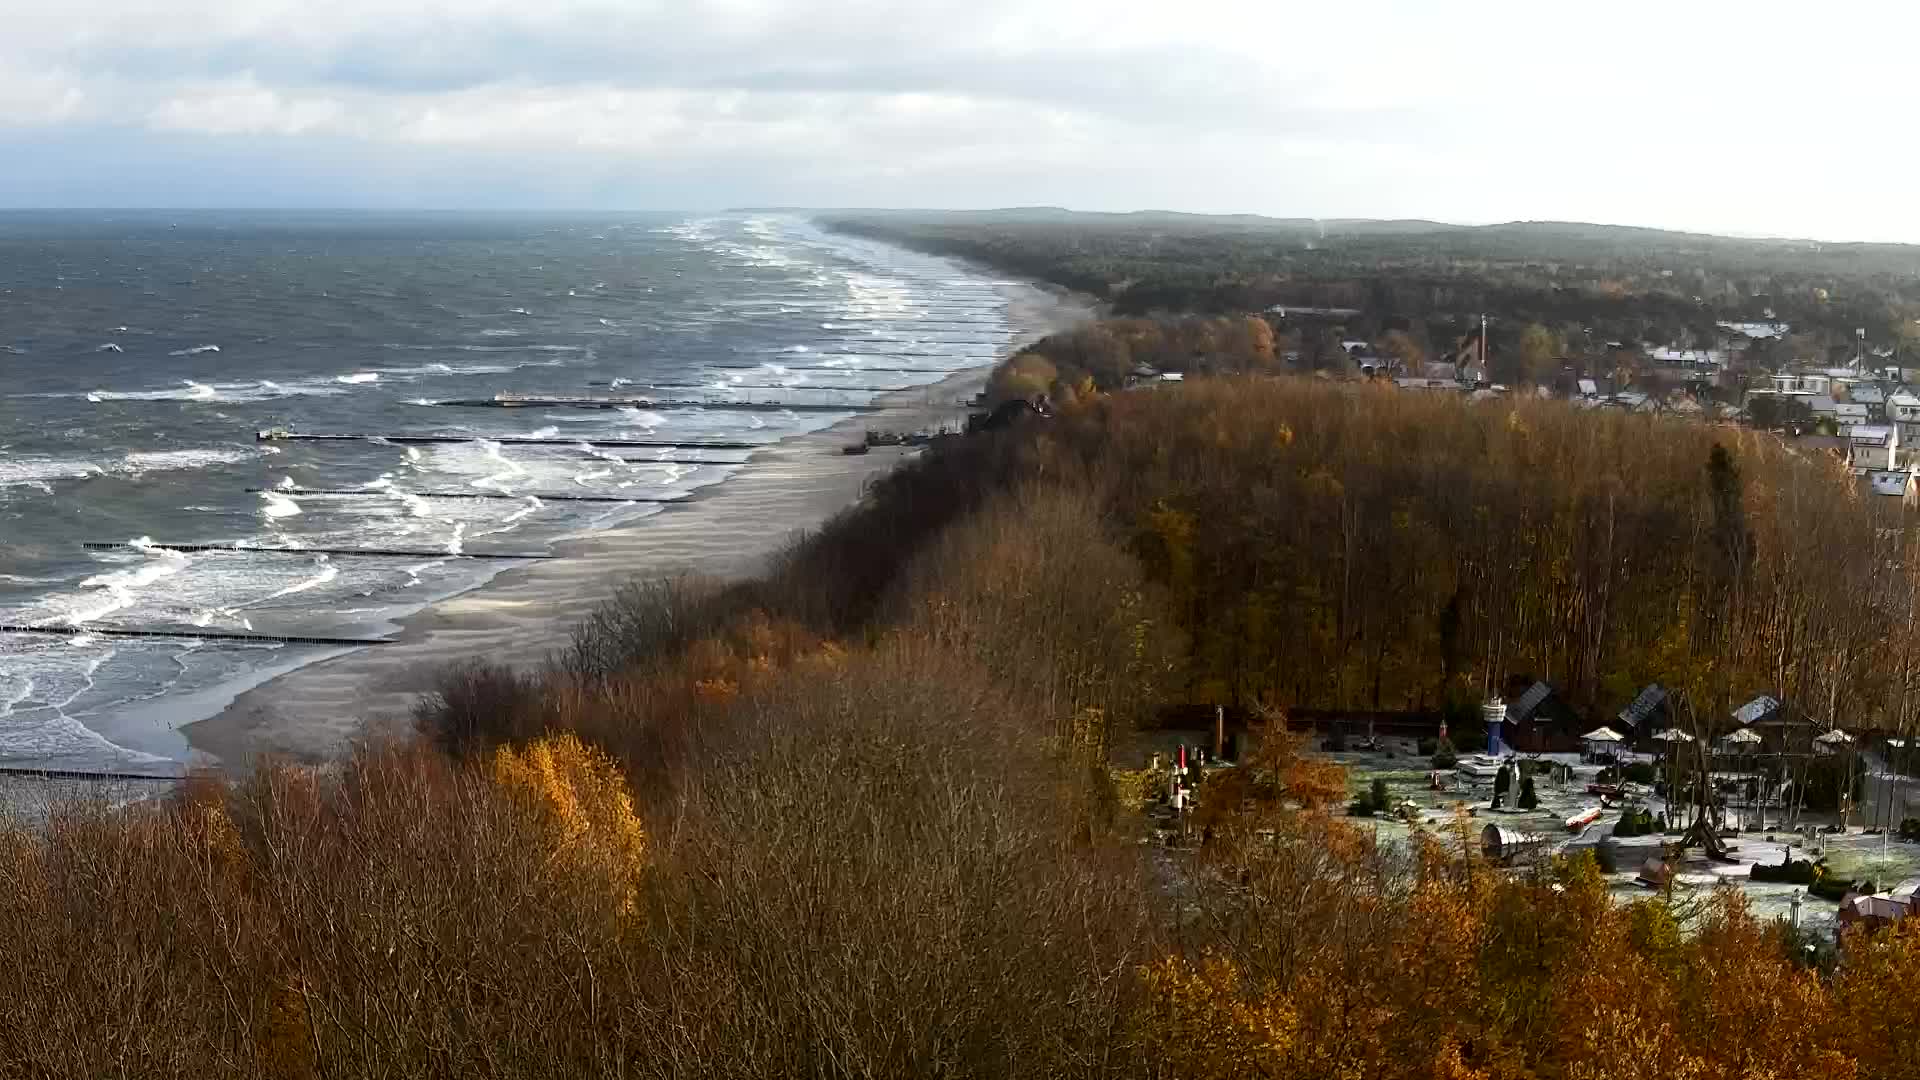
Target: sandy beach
[(527, 613)]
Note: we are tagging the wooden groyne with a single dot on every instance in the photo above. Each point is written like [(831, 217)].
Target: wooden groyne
[(409, 553), (520, 497), (195, 635), (650, 403), (88, 774), (775, 386), (511, 440)]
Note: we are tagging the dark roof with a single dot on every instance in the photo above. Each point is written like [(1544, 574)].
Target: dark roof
[(1643, 706), (1523, 709), (1760, 709)]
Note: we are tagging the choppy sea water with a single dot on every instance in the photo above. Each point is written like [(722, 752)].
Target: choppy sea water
[(140, 353)]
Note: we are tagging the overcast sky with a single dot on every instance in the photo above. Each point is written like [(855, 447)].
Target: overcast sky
[(1739, 117)]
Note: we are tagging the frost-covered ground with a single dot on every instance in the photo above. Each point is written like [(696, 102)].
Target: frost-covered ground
[(1853, 854)]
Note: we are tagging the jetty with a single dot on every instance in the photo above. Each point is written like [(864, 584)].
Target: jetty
[(862, 370), (285, 435), (410, 553), (196, 635), (590, 401), (516, 496), (780, 386)]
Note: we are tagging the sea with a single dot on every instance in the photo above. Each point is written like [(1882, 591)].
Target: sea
[(143, 354)]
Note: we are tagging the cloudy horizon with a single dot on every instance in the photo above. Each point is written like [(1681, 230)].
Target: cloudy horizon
[(1748, 121)]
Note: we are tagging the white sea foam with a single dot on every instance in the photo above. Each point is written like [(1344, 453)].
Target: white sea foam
[(358, 378), (108, 347), (497, 332), (117, 590), (534, 506), (195, 351), (278, 506), (510, 470), (543, 433), (458, 540), (325, 573)]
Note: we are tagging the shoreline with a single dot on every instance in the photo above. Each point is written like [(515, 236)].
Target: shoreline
[(528, 612)]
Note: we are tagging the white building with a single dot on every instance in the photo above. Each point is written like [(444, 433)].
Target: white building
[(1872, 447)]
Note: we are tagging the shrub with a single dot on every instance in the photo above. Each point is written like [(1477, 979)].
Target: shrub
[(1528, 800), (1370, 802), (1634, 822), (1444, 756), (1788, 871), (1639, 772), (1426, 747)]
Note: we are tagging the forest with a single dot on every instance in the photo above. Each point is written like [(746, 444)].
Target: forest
[(1593, 290), (868, 815)]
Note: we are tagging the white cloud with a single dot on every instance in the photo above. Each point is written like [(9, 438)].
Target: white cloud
[(1757, 118)]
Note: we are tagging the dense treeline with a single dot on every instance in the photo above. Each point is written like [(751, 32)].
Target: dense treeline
[(1106, 355), (855, 818), (1588, 285), (1339, 546)]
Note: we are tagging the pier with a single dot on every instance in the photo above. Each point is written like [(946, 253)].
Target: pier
[(196, 635), (377, 552), (277, 435), (517, 497)]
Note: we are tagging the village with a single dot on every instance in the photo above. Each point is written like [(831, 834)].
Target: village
[(1814, 825), (1863, 414)]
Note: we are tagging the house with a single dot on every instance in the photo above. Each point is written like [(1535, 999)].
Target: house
[(1591, 389), (1540, 722), (1646, 713), (1872, 446), (1822, 407), (1873, 911), (1436, 371), (1761, 708), (1896, 483), (1903, 411), (1875, 400), (1849, 412)]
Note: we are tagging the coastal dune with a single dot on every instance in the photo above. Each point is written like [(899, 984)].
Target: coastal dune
[(529, 612)]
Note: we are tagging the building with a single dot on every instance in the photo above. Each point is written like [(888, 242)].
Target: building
[(1895, 483), (1646, 713), (1540, 722), (1872, 447), (1875, 401)]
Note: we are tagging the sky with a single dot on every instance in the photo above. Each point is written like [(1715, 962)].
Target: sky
[(1749, 118)]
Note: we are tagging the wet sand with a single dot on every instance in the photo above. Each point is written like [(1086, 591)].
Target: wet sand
[(527, 613)]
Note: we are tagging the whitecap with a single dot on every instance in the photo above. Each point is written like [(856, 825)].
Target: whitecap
[(358, 377), (108, 347), (195, 351), (543, 433), (457, 542), (327, 572), (278, 506), (121, 586)]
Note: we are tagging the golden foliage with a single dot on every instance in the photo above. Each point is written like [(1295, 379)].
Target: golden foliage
[(581, 798)]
